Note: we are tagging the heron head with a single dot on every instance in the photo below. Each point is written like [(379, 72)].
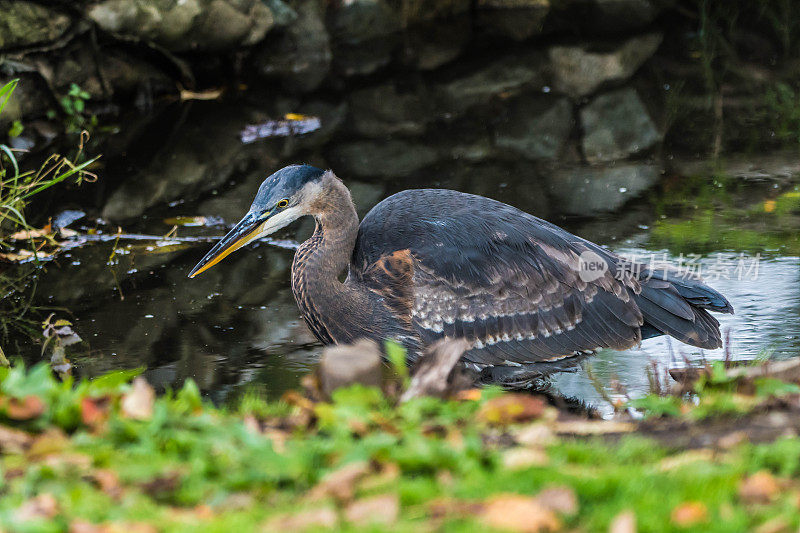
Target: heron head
[(284, 197)]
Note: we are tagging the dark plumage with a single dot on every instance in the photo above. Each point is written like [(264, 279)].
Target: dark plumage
[(428, 263)]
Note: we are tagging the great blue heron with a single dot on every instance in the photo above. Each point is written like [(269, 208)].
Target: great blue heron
[(429, 263)]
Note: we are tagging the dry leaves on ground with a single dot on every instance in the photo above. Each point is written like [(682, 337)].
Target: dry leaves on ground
[(511, 409), (138, 403), (524, 514), (321, 518), (624, 522), (761, 487), (341, 483), (376, 510), (689, 514)]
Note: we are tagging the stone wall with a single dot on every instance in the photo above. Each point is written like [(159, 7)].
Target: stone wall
[(405, 87)]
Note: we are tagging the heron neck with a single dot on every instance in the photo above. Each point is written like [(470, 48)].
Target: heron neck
[(325, 302)]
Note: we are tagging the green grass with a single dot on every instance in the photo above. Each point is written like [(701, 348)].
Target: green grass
[(190, 466)]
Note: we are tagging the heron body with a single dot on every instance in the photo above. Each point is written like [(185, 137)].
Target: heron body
[(429, 263)]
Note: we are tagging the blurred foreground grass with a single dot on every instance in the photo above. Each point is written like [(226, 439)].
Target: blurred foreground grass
[(108, 455)]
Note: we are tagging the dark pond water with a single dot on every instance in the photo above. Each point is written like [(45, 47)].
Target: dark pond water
[(238, 326)]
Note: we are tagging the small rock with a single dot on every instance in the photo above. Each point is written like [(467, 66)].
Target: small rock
[(430, 46), (624, 522), (301, 57), (24, 23), (499, 78), (609, 16), (376, 510), (536, 127), (358, 21), (590, 190), (382, 110), (579, 72), (616, 125), (345, 365), (761, 487), (516, 19), (392, 159), (189, 25)]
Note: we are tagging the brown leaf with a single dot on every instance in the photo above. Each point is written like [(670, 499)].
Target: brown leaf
[(774, 525), (42, 507), (341, 483), (14, 440), (521, 458), (108, 482), (559, 499), (383, 509), (624, 522), (689, 514), (26, 408), (322, 518), (536, 434), (163, 484), (24, 235), (519, 513), (599, 427), (51, 441), (138, 403), (511, 408), (761, 487), (94, 411)]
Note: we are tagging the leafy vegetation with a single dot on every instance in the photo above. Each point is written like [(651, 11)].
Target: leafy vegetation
[(108, 454)]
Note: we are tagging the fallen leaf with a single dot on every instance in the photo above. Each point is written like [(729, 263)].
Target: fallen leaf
[(774, 525), (108, 482), (210, 94), (769, 206), (14, 440), (537, 434), (689, 514), (186, 221), (340, 483), (559, 499), (388, 475), (60, 461), (519, 513), (51, 441), (521, 458), (761, 487), (26, 408), (599, 427), (511, 408), (94, 411), (163, 484), (383, 509), (685, 458), (469, 395), (138, 403), (324, 517), (24, 235), (624, 522), (42, 507)]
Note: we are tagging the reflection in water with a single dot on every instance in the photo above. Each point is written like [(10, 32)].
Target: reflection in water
[(238, 324)]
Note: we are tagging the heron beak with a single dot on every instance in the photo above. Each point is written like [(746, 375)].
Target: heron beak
[(247, 230)]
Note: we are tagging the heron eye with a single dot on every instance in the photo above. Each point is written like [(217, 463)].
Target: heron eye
[(283, 203)]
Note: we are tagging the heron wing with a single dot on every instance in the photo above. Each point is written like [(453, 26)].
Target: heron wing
[(511, 283)]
